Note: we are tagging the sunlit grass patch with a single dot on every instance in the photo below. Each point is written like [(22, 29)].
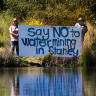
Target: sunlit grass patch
[(31, 21)]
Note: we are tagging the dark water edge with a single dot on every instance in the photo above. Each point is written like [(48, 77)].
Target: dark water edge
[(19, 63), (49, 81), (7, 60)]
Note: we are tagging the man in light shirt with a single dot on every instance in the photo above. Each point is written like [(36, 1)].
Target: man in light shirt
[(14, 36), (81, 24)]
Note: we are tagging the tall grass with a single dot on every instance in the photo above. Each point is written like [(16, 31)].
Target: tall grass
[(7, 60), (88, 57), (5, 21)]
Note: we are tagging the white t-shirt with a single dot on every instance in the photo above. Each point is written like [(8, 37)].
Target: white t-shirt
[(78, 25), (13, 30)]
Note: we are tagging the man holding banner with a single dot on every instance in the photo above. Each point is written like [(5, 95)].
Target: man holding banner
[(83, 26)]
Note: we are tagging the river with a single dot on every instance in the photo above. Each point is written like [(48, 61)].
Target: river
[(37, 81)]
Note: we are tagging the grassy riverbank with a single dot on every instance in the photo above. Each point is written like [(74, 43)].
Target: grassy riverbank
[(88, 56), (7, 60)]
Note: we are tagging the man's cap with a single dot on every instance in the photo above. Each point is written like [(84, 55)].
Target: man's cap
[(80, 19)]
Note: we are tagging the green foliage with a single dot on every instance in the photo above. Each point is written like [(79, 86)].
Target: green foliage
[(5, 22), (52, 12), (47, 61)]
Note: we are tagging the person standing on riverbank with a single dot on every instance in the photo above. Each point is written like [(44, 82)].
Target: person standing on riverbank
[(14, 36), (84, 27)]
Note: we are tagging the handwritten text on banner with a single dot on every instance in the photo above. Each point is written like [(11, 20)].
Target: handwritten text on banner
[(61, 41)]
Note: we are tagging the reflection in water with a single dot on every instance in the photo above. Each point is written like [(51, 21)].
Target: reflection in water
[(15, 86), (89, 81), (48, 82)]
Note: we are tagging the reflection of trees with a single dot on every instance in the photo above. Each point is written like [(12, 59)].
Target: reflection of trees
[(59, 82), (89, 81), (4, 83), (67, 83)]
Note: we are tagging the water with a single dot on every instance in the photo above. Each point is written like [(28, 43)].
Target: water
[(47, 82)]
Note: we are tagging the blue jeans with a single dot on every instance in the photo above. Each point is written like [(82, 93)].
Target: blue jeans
[(13, 45), (83, 35)]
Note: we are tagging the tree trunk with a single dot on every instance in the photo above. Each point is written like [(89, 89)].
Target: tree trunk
[(1, 4)]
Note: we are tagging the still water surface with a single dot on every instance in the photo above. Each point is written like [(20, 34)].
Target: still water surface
[(47, 82)]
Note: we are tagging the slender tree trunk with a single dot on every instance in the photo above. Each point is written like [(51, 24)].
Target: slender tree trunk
[(28, 0), (1, 4)]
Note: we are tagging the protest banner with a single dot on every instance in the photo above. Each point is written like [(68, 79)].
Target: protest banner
[(61, 41)]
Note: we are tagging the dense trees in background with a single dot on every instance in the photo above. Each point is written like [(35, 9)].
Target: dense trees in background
[(52, 3), (52, 12)]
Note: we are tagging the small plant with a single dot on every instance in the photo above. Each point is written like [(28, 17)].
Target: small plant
[(47, 60)]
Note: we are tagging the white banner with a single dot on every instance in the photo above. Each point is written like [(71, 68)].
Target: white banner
[(61, 41)]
